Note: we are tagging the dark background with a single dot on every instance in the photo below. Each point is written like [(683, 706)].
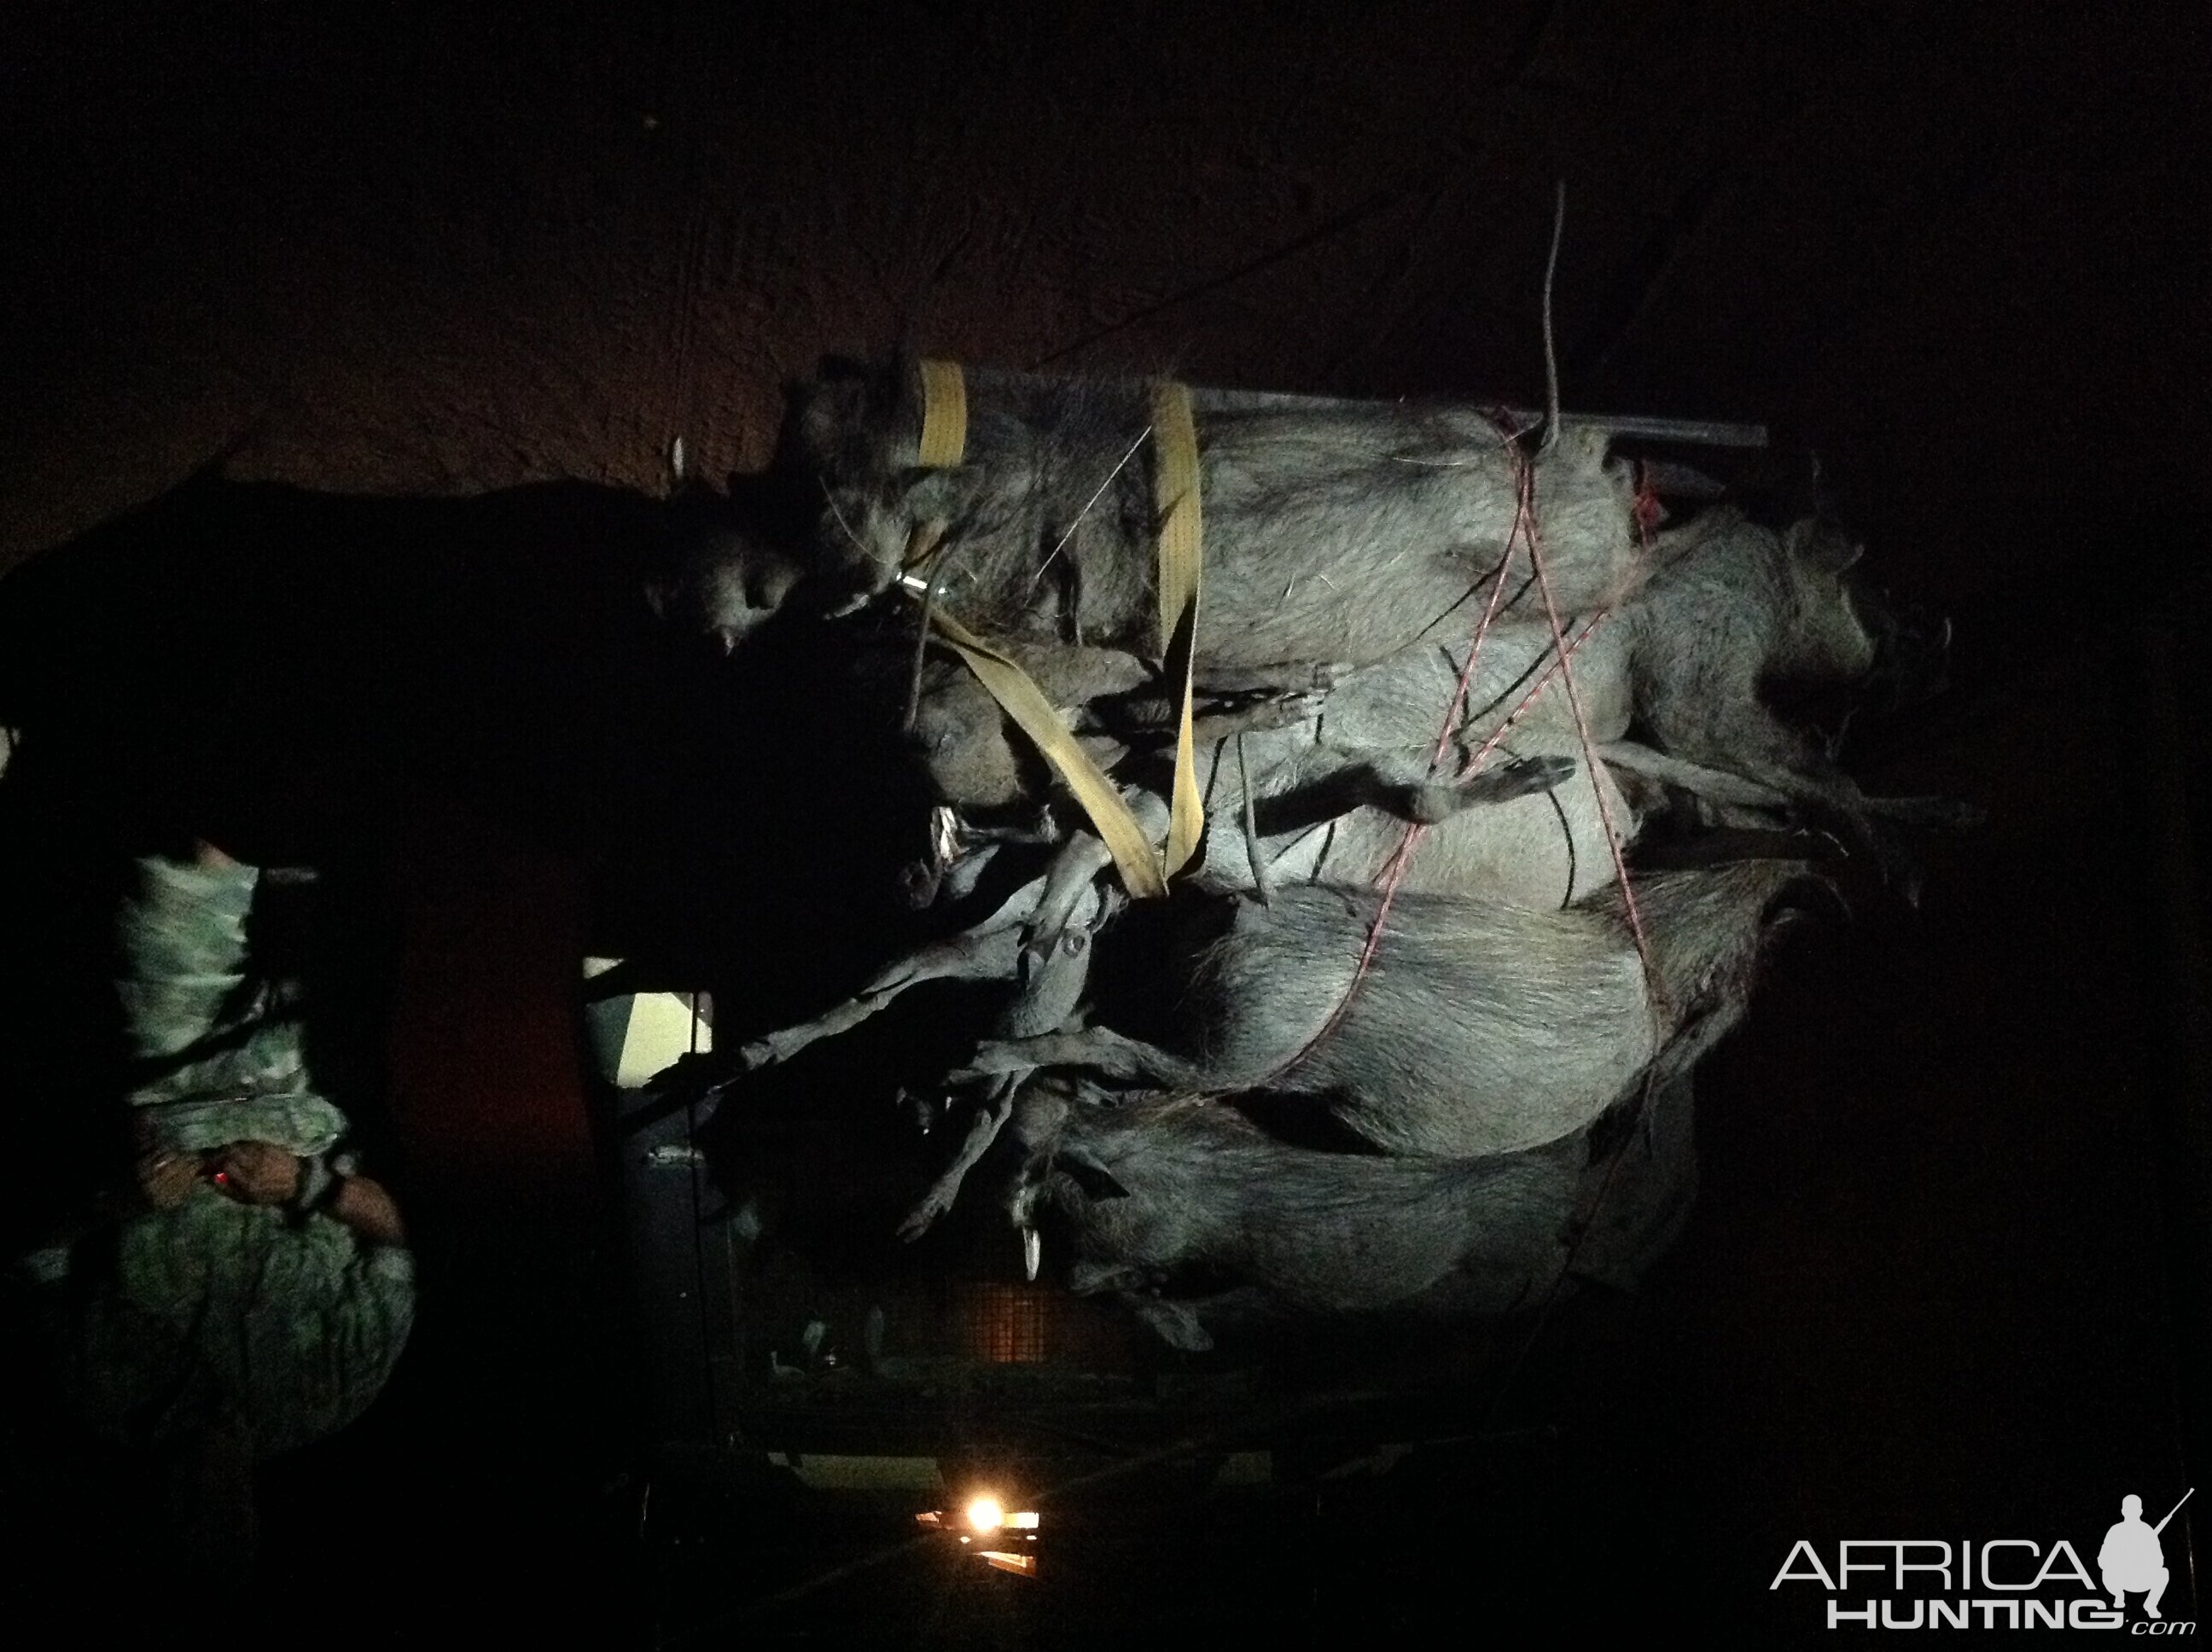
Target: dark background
[(1947, 1277)]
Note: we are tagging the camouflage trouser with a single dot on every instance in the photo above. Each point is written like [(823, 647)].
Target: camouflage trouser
[(215, 1052)]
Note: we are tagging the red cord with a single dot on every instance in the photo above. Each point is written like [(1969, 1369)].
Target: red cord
[(1644, 511), (1653, 991)]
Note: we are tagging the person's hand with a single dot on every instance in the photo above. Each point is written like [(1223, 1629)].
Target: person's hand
[(164, 1179), (254, 1172), (208, 858)]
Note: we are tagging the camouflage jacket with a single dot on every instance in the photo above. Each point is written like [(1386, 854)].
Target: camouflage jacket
[(291, 1323), (214, 1052)]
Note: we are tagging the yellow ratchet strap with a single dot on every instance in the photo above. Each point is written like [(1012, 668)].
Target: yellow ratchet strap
[(945, 441), (1021, 699), (944, 414), (1174, 491)]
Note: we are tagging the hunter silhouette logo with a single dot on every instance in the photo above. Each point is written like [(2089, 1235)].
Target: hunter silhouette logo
[(2132, 1558), (1999, 1583)]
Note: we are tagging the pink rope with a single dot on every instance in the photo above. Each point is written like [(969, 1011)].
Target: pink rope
[(1653, 991), (1393, 871)]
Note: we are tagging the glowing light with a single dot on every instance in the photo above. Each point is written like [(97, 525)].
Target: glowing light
[(986, 1514), (1027, 1523)]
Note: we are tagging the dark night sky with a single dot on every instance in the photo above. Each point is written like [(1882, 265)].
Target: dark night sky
[(1960, 250)]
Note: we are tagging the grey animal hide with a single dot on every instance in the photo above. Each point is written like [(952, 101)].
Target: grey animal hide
[(1477, 1028), (1157, 1188), (1150, 1193), (1335, 535), (1546, 846), (1732, 613), (1729, 608)]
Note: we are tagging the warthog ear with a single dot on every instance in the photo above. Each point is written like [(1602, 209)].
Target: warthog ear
[(828, 415), (1822, 544), (1085, 1170)]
